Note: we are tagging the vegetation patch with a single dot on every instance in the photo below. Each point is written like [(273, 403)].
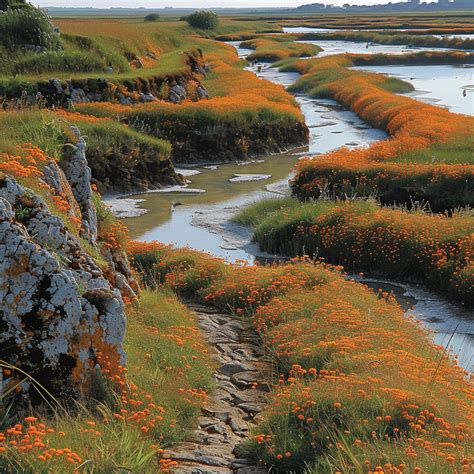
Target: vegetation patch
[(275, 48), (121, 159), (362, 236), (377, 170), (146, 407), (204, 20), (360, 385), (244, 115)]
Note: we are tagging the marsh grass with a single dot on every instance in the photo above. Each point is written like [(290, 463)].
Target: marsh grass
[(360, 385), (365, 237)]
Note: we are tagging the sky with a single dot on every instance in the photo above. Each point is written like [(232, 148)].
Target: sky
[(195, 3)]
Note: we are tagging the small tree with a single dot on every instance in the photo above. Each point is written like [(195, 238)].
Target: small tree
[(152, 17), (5, 4), (203, 19), (27, 25)]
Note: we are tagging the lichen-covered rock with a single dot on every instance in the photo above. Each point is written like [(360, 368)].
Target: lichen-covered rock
[(54, 176), (78, 174), (58, 311), (177, 94), (120, 274)]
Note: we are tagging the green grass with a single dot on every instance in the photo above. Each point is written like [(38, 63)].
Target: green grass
[(275, 48), (42, 128), (458, 151), (110, 135), (161, 365), (255, 213)]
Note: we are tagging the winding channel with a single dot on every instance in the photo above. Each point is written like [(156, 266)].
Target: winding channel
[(200, 219)]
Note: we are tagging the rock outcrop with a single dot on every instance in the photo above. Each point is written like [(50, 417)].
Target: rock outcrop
[(60, 312), (57, 309), (78, 174), (65, 93)]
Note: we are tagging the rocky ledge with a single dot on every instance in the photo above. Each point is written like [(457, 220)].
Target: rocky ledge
[(141, 89)]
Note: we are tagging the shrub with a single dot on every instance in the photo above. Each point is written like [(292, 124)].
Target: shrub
[(203, 19), (27, 26), (152, 17)]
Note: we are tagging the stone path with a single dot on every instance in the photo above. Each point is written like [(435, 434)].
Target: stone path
[(242, 388)]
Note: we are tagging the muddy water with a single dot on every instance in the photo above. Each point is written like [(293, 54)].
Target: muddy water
[(202, 220), (330, 127)]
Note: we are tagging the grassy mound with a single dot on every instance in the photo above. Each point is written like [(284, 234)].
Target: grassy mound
[(120, 158), (244, 115), (275, 48), (362, 236)]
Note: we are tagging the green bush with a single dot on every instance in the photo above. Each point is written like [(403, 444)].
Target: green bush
[(203, 19), (152, 17), (27, 26)]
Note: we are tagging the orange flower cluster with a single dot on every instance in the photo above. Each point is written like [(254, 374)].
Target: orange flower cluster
[(116, 236), (78, 117), (61, 202), (412, 125), (137, 407), (26, 164), (33, 437), (363, 236)]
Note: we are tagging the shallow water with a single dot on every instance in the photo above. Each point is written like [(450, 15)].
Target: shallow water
[(307, 29), (202, 221), (452, 326), (330, 127), (438, 85), (340, 47)]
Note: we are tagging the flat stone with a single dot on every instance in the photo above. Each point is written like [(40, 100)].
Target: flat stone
[(234, 326), (232, 368), (219, 429), (251, 407), (238, 425), (209, 455), (205, 421), (244, 379)]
